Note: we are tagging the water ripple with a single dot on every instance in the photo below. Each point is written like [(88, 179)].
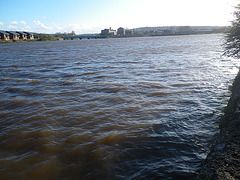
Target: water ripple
[(132, 108)]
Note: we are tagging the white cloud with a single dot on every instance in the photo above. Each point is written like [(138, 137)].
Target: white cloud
[(14, 23), (1, 23), (75, 27), (81, 29), (41, 25), (26, 28), (57, 26), (38, 26), (23, 22), (12, 27)]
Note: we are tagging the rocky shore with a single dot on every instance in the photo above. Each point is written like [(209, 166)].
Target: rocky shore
[(223, 161)]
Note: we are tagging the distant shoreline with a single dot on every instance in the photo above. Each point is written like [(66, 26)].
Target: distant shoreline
[(108, 33), (16, 41), (20, 41), (106, 37)]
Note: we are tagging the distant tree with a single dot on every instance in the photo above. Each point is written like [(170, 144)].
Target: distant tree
[(59, 34), (184, 30), (72, 33), (232, 47), (138, 33), (45, 37)]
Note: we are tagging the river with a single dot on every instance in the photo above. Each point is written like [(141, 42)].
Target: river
[(118, 108)]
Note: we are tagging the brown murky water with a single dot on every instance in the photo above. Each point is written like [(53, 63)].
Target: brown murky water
[(132, 108)]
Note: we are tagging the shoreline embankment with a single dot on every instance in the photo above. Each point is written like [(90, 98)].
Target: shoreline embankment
[(17, 41), (223, 161), (105, 37)]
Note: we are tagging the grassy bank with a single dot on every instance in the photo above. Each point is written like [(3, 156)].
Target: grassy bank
[(17, 41), (28, 40), (37, 37)]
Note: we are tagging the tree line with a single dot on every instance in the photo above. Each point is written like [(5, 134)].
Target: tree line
[(232, 45), (52, 37)]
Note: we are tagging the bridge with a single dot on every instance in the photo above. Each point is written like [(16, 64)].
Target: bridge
[(84, 36)]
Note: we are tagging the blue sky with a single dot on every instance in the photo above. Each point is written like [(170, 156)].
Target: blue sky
[(90, 16)]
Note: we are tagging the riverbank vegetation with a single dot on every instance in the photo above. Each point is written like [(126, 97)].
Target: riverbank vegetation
[(233, 37), (179, 30), (45, 37), (17, 41)]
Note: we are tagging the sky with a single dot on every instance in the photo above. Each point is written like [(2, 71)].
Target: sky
[(90, 16)]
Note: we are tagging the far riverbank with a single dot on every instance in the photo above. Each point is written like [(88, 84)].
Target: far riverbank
[(32, 40), (16, 41), (52, 38)]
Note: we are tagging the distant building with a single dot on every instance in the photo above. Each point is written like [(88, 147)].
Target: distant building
[(121, 31), (29, 35), (13, 35), (109, 31), (22, 35), (4, 35)]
